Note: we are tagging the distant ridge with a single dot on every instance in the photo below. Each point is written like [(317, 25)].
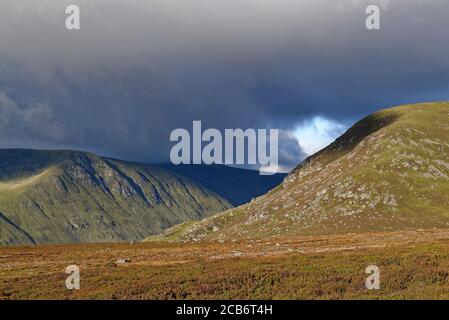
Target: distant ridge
[(238, 186)]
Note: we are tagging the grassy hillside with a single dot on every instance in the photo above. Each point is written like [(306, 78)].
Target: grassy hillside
[(390, 171), (70, 196)]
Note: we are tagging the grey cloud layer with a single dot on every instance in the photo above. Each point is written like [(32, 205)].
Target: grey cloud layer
[(138, 69), (33, 122)]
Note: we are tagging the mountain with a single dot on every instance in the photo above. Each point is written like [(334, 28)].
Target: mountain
[(390, 171), (238, 186), (71, 196)]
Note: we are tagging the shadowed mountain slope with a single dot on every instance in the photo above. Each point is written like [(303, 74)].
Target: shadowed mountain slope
[(238, 186)]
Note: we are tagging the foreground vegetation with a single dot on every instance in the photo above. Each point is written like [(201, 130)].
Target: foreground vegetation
[(413, 265)]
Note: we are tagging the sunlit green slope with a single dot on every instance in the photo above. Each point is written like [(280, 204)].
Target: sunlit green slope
[(390, 171)]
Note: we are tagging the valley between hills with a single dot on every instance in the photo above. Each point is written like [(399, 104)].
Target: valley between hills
[(377, 195)]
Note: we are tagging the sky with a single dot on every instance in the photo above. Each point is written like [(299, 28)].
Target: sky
[(138, 69)]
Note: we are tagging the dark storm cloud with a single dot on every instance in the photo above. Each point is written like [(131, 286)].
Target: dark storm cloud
[(138, 69)]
